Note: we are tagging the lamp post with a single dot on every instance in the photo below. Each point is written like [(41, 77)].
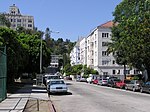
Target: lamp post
[(41, 57), (52, 32)]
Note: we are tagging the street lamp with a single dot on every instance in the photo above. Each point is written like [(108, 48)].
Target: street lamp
[(41, 56)]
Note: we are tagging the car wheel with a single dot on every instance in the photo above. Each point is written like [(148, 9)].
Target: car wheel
[(141, 90), (126, 88), (133, 89)]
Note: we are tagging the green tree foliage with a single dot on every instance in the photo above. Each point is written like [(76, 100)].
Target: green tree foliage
[(32, 44), (67, 69), (23, 51), (4, 21), (131, 34), (78, 70), (15, 53)]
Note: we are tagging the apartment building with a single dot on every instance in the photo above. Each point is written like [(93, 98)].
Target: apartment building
[(97, 56), (83, 51), (92, 51), (75, 54), (17, 19)]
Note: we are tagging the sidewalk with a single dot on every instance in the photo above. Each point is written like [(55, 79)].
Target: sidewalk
[(27, 99)]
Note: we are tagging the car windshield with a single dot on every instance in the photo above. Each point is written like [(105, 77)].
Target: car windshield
[(117, 80), (57, 82), (53, 77)]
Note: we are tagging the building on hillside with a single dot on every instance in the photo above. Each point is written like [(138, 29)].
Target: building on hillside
[(55, 60), (18, 20), (75, 54), (83, 51)]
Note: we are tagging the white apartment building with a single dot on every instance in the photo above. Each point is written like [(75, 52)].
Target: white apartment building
[(97, 57), (83, 51), (75, 55), (17, 19)]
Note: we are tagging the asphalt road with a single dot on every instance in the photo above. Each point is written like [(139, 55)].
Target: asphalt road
[(83, 97)]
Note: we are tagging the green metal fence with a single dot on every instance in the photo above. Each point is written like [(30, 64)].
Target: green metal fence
[(3, 70)]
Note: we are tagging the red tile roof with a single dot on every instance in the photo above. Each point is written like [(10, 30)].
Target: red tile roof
[(108, 24)]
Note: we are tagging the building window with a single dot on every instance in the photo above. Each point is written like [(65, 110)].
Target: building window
[(95, 53), (114, 53), (24, 20), (105, 35), (113, 61), (92, 61), (105, 62), (118, 71), (95, 44), (14, 25), (105, 73), (18, 24), (29, 21), (104, 43), (92, 52), (14, 20), (18, 20), (104, 53), (114, 71), (29, 25)]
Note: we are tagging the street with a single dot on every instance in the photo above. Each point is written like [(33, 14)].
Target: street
[(83, 97)]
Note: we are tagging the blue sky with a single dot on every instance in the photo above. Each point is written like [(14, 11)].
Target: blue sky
[(72, 18)]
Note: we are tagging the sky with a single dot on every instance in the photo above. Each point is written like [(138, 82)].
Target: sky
[(71, 18)]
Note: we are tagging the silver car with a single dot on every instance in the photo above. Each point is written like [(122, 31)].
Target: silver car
[(133, 85), (103, 81), (57, 86)]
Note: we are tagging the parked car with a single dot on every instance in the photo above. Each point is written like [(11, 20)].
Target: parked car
[(121, 84), (91, 78), (82, 79), (49, 77), (103, 81), (95, 81), (145, 87), (133, 85), (112, 82), (68, 78), (57, 86)]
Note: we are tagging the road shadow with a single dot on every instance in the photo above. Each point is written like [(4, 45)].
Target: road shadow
[(68, 83), (60, 94)]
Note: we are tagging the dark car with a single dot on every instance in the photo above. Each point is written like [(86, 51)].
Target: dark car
[(145, 87), (112, 82)]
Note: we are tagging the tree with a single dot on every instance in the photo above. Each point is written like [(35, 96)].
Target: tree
[(4, 21), (131, 34), (16, 58)]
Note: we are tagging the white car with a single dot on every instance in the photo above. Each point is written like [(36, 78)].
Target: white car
[(57, 86), (49, 77)]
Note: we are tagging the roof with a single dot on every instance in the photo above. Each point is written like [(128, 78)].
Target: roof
[(108, 24)]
